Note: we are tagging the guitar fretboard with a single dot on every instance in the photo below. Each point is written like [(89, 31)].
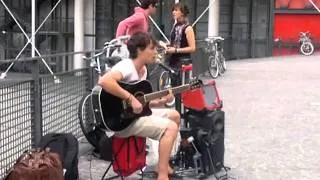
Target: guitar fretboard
[(159, 94)]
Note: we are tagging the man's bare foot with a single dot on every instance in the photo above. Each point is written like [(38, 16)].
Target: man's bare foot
[(170, 170), (163, 178)]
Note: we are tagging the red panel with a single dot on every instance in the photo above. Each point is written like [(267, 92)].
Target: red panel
[(298, 4), (282, 3), (288, 26), (295, 4)]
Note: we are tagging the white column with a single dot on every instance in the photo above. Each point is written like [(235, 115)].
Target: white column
[(33, 27), (213, 18), (78, 33)]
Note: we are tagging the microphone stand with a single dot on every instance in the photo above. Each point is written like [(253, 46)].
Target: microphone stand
[(196, 159), (165, 67)]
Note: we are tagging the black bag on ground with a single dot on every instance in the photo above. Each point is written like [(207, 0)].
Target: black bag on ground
[(105, 147), (67, 146)]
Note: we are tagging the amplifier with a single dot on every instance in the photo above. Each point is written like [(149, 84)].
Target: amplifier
[(203, 98)]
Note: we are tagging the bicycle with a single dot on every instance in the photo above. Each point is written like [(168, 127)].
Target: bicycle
[(216, 61), (306, 46), (100, 62)]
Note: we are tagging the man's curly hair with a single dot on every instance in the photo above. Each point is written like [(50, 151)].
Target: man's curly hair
[(146, 3)]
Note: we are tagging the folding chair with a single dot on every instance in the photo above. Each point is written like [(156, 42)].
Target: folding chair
[(129, 155)]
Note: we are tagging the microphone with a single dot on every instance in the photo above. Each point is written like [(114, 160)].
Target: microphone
[(165, 67), (190, 140)]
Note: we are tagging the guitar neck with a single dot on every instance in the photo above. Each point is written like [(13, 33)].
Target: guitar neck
[(159, 94)]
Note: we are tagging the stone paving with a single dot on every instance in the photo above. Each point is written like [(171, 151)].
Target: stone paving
[(272, 129)]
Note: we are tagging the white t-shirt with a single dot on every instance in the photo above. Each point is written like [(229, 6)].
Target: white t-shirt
[(128, 71), (129, 74)]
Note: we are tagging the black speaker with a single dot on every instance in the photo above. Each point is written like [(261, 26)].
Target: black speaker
[(208, 131)]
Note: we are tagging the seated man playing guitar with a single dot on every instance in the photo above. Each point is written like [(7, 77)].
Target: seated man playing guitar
[(163, 124)]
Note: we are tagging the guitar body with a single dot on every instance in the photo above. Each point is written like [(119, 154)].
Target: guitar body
[(114, 113)]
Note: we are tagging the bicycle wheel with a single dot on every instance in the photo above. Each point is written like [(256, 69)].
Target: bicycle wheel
[(213, 66), (223, 62), (306, 48), (165, 83), (87, 121)]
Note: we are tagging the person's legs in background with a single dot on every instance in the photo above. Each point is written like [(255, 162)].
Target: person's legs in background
[(176, 81)]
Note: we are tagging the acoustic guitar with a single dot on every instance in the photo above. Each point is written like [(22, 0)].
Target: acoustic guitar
[(115, 114)]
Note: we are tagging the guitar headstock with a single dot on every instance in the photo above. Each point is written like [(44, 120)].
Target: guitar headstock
[(195, 83)]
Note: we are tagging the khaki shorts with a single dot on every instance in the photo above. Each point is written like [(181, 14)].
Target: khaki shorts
[(152, 126)]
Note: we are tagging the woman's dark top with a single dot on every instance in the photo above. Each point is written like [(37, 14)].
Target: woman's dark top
[(179, 40)]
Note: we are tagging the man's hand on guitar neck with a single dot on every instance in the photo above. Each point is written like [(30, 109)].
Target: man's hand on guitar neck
[(169, 97), (135, 104), (162, 101)]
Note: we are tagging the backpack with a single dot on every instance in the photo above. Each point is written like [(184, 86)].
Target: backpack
[(129, 154), (66, 145), (37, 165)]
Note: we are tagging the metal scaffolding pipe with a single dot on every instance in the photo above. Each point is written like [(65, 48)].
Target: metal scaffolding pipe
[(45, 19), (15, 20), (33, 34), (314, 5), (4, 74), (211, 4), (155, 24)]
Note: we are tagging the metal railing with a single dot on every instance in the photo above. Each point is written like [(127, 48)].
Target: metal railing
[(15, 122), (32, 105)]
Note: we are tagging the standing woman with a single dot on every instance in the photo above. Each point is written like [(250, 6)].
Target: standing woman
[(183, 41), (182, 44)]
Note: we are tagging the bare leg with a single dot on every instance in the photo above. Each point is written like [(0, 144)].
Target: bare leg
[(165, 147), (174, 116)]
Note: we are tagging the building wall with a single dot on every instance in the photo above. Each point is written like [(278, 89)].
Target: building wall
[(55, 36), (244, 24), (290, 18), (296, 23)]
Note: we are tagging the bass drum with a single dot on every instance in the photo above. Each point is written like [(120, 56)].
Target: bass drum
[(153, 148)]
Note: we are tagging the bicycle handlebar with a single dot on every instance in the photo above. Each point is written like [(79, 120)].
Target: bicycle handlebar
[(307, 33), (214, 38), (94, 56), (114, 43), (117, 40)]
